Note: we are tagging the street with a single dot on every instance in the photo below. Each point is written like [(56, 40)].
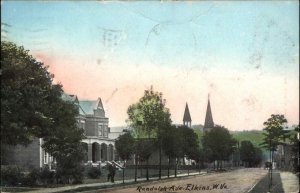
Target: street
[(237, 181)]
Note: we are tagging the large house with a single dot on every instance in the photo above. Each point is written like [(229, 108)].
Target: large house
[(99, 142)]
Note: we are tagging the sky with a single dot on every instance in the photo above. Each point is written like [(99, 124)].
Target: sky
[(244, 55)]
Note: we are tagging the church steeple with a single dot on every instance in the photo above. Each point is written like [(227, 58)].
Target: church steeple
[(209, 123), (187, 117)]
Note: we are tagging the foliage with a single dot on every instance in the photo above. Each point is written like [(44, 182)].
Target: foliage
[(188, 142), (25, 87), (94, 172), (148, 115), (32, 107), (47, 176), (295, 148), (125, 146), (257, 156), (218, 144), (275, 133), (69, 168), (181, 141), (63, 143), (250, 154), (32, 178), (256, 137), (169, 138), (11, 175), (144, 148)]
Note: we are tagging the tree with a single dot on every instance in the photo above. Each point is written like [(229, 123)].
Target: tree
[(169, 138), (125, 146), (218, 144), (32, 107), (148, 115), (257, 157), (188, 142), (25, 86), (274, 136), (250, 154), (64, 137), (295, 148)]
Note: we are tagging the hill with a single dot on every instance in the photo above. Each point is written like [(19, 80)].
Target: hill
[(255, 136)]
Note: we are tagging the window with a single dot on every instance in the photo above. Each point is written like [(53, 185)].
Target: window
[(100, 128), (46, 156), (105, 132)]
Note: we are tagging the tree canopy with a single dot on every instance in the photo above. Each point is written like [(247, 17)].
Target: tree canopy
[(26, 87), (178, 142), (250, 154), (32, 107), (125, 146), (148, 115), (218, 144), (275, 134)]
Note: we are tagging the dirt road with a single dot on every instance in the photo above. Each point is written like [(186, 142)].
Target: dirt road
[(238, 181)]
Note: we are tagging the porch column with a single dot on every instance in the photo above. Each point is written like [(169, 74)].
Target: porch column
[(113, 152), (99, 153), (107, 153), (90, 150)]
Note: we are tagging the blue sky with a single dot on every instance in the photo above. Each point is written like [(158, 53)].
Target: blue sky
[(220, 38)]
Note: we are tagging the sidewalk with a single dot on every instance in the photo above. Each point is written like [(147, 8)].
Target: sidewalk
[(290, 182), (282, 182), (108, 184)]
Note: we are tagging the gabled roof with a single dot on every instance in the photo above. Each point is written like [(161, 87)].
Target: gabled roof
[(67, 97), (187, 116), (74, 99), (209, 122), (88, 106)]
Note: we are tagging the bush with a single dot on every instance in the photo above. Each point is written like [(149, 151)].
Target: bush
[(47, 176), (11, 175), (69, 175), (94, 172), (32, 178)]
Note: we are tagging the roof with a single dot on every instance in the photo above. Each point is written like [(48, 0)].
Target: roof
[(67, 97), (209, 122), (88, 106), (187, 116)]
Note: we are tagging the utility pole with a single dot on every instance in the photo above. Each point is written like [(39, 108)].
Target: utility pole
[(239, 154)]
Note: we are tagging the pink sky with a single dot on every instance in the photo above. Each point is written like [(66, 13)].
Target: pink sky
[(244, 54), (239, 100)]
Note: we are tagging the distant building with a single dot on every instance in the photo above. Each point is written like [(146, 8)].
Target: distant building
[(209, 122), (284, 157), (99, 142), (187, 120)]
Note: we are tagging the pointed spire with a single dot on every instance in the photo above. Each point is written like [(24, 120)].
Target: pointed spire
[(209, 123), (187, 117)]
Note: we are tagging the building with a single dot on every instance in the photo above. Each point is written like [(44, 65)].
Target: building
[(209, 122), (187, 120), (99, 142)]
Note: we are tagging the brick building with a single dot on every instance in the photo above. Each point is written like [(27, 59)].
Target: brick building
[(99, 142)]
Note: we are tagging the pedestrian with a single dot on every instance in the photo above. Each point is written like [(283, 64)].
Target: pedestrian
[(111, 172)]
